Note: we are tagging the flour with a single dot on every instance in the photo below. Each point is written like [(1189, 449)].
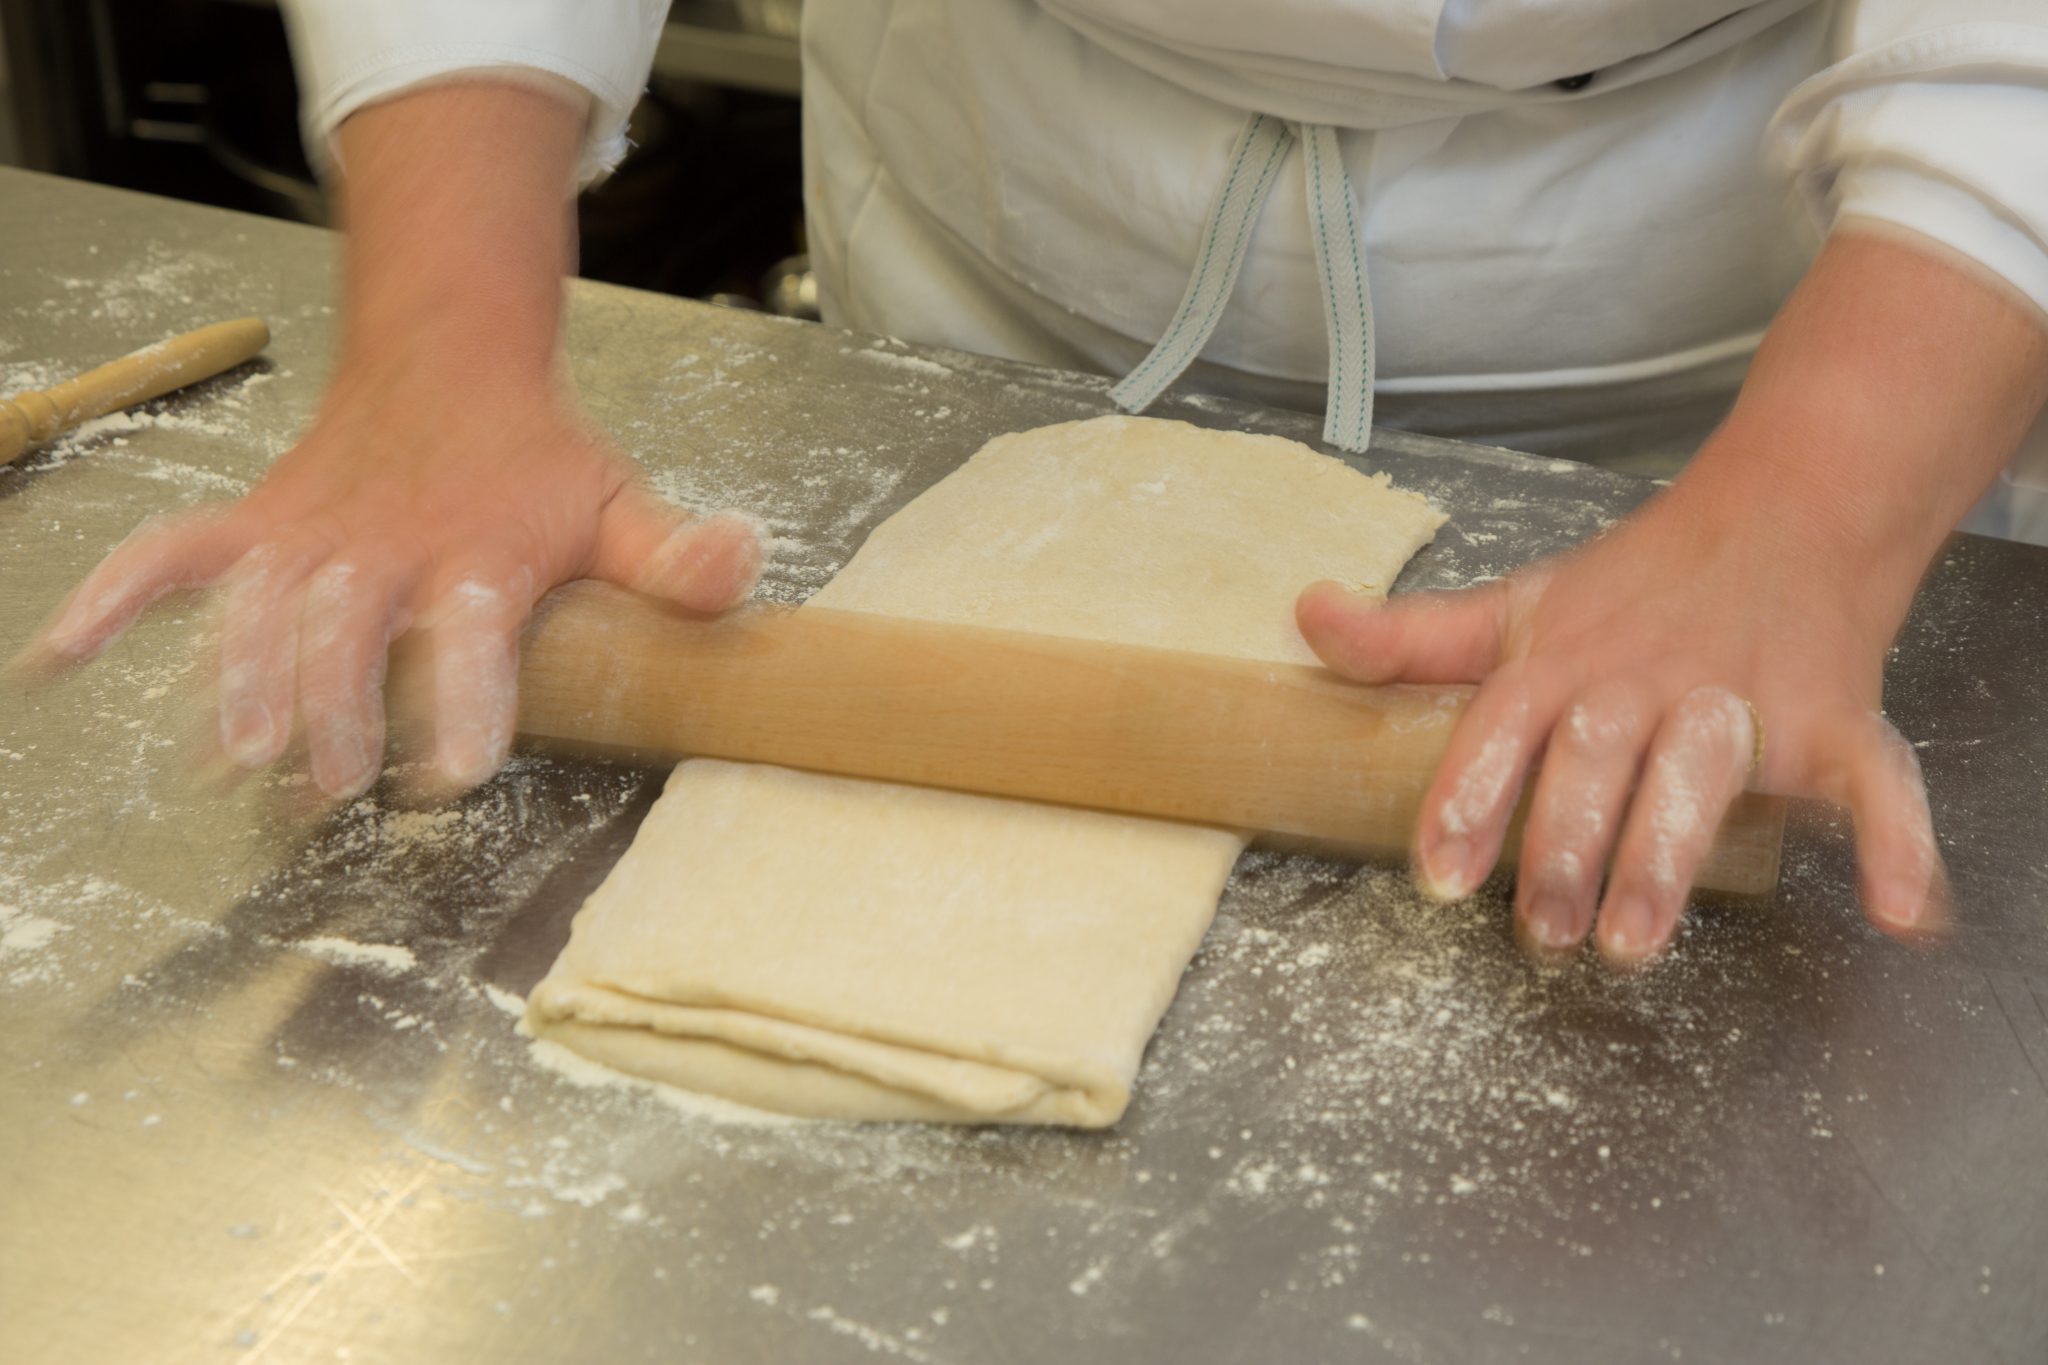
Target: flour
[(21, 932), (873, 1338), (1425, 1065), (1428, 1050), (811, 523), (159, 281), (217, 410), (1391, 1058), (815, 497), (18, 376), (1712, 729), (915, 364), (504, 1001), (588, 1193), (154, 293), (383, 957), (41, 921), (1483, 785)]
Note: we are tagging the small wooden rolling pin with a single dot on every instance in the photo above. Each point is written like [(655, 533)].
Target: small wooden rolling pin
[(1291, 752), (151, 372)]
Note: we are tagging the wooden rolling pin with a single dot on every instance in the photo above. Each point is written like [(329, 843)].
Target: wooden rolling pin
[(28, 418), (1291, 752)]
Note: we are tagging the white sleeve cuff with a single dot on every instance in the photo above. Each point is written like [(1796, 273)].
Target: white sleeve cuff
[(1953, 216), (351, 53), (1942, 133)]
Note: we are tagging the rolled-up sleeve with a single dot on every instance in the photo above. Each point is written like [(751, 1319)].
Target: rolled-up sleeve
[(350, 53), (1934, 117)]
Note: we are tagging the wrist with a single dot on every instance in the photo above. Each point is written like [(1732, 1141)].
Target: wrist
[(454, 331), (1884, 398), (460, 229), (1779, 518)]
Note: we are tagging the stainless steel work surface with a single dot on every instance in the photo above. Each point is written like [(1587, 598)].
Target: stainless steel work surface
[(261, 1097)]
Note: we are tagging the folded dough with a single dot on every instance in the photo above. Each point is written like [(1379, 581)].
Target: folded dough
[(840, 948)]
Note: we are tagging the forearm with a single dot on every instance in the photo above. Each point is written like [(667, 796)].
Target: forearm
[(457, 205), (1888, 393)]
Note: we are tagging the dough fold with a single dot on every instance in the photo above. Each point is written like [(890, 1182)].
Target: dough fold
[(839, 948)]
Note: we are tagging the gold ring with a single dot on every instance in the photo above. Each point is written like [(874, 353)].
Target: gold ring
[(1756, 736)]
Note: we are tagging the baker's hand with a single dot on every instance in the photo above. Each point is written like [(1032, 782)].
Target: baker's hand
[(420, 499), (1628, 669), (449, 481)]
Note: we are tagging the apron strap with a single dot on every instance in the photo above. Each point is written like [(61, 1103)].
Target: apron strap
[(1254, 163), (1347, 293), (1340, 263)]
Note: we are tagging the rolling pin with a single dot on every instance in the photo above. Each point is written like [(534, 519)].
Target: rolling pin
[(1290, 752), (187, 358)]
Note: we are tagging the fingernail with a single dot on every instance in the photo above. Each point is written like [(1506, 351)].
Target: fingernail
[(1903, 902), (345, 776), (469, 765), (1627, 928), (707, 565), (1445, 876), (471, 754), (345, 786), (1548, 923), (1897, 909), (248, 732)]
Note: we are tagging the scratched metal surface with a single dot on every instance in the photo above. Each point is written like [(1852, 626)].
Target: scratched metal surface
[(1366, 1130)]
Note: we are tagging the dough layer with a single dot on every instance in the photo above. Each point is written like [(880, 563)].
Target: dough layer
[(840, 948)]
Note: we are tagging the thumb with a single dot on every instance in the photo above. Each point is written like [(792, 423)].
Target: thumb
[(699, 563), (1436, 637)]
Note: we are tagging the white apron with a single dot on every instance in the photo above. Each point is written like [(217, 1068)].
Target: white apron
[(1564, 266)]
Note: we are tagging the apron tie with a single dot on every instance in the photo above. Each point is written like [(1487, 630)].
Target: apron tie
[(1340, 265)]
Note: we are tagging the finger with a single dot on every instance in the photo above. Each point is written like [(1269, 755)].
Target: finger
[(704, 564), (1421, 638), (1696, 766), (259, 647), (473, 621), (167, 554), (1590, 762), (1465, 812), (351, 613), (1904, 888)]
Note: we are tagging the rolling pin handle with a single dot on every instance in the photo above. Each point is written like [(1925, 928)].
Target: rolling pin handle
[(148, 373)]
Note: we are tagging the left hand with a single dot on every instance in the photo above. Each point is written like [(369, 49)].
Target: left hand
[(1624, 667)]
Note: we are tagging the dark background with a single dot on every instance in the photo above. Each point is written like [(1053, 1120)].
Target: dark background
[(196, 99)]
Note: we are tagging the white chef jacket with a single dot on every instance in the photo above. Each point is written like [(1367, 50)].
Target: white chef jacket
[(1575, 212)]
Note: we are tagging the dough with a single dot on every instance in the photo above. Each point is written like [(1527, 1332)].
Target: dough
[(839, 948)]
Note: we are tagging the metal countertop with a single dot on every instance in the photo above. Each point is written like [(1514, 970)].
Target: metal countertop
[(261, 1099)]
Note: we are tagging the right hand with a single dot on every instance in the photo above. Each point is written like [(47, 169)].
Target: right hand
[(420, 499), (449, 481)]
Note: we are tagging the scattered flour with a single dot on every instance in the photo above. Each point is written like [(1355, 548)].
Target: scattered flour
[(916, 364), (384, 957), (21, 932), (1392, 1059), (217, 410), (504, 1001)]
